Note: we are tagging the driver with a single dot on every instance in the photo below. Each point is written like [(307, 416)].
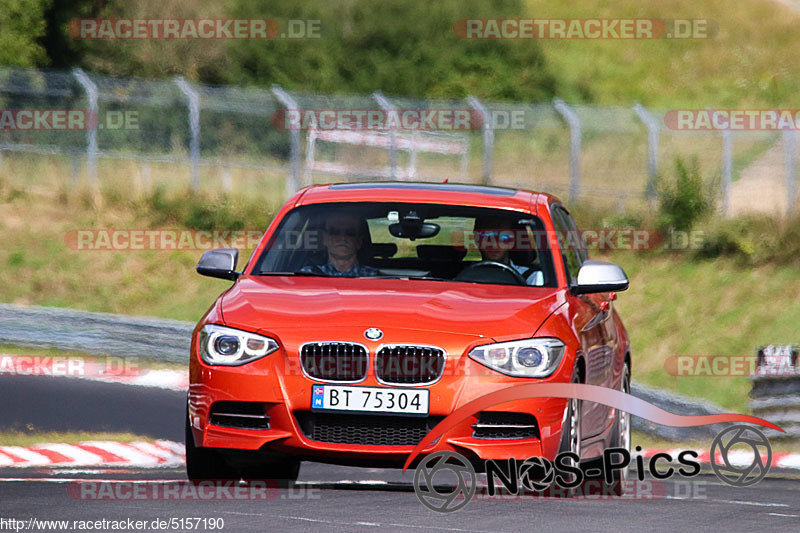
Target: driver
[(342, 238), (490, 235)]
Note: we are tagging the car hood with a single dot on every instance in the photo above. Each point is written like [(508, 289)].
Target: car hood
[(275, 303)]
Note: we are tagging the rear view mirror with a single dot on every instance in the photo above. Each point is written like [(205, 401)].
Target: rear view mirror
[(412, 226), (599, 276), (219, 263)]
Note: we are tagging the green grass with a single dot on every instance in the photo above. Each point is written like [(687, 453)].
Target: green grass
[(40, 267), (750, 63), (32, 437)]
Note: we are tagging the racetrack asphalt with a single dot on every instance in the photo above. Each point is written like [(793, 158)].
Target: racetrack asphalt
[(329, 498), (333, 498), (48, 403)]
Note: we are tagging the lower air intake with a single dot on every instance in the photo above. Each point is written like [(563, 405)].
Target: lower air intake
[(241, 415), (370, 430), (499, 426)]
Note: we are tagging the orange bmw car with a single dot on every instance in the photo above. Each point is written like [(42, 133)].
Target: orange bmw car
[(370, 311)]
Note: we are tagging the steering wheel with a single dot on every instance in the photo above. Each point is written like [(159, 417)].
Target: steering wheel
[(464, 274)]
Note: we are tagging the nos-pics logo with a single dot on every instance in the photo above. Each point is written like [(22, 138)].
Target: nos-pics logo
[(446, 481)]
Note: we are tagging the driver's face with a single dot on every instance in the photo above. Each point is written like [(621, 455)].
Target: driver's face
[(491, 243), (342, 237)]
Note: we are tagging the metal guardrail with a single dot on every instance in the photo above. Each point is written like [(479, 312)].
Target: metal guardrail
[(678, 404), (95, 333), (775, 394)]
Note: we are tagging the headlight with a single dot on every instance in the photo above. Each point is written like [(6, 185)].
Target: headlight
[(529, 358), (227, 346)]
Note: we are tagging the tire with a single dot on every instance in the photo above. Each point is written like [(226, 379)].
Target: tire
[(205, 463), (571, 435), (621, 438), (283, 473), (208, 463)]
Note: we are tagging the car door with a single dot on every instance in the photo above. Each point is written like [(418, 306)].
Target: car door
[(590, 319)]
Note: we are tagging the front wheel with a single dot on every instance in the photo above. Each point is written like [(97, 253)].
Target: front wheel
[(571, 435), (622, 436), (205, 463), (208, 463)]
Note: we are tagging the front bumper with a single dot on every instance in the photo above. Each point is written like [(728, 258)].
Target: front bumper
[(279, 382)]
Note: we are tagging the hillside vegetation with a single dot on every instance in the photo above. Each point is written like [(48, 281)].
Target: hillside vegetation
[(409, 48)]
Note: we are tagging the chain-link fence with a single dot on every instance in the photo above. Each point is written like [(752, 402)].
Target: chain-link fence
[(139, 134)]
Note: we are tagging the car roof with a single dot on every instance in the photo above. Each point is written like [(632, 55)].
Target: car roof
[(426, 192)]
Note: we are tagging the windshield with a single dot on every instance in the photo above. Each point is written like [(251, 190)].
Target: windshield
[(410, 241)]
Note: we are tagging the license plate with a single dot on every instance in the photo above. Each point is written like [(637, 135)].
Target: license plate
[(370, 399)]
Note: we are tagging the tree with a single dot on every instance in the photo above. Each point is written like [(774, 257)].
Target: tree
[(22, 24)]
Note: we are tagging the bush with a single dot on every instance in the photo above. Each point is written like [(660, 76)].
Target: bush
[(752, 240), (683, 201), (206, 212), (729, 238)]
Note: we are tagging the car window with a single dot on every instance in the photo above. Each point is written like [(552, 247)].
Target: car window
[(449, 239), (451, 230), (583, 254), (567, 235)]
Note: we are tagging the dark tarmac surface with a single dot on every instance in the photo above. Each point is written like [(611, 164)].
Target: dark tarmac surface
[(326, 498)]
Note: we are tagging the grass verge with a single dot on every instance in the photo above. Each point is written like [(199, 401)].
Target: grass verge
[(20, 438)]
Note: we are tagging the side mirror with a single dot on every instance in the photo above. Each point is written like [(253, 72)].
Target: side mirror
[(599, 276), (219, 263)]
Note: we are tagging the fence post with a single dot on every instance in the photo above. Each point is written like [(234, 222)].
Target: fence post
[(575, 147), (294, 142), (90, 89), (144, 176), (74, 170), (387, 106), (194, 128), (727, 170), (652, 148), (488, 137), (790, 146)]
